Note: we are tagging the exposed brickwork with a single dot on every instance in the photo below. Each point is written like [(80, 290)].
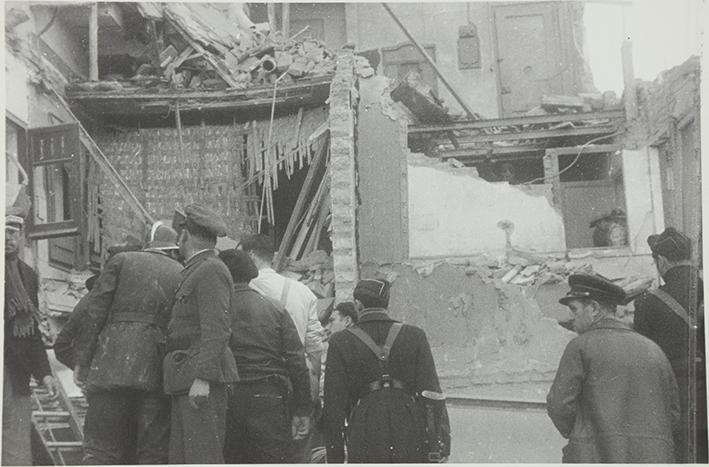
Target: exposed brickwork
[(673, 95), (343, 102)]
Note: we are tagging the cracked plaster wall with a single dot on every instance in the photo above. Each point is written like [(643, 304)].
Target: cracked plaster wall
[(452, 211)]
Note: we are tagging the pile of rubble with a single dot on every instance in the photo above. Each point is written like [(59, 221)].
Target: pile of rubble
[(203, 48)]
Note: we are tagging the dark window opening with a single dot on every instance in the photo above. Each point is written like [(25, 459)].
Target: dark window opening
[(591, 195)]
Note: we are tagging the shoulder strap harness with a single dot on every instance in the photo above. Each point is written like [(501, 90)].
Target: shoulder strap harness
[(284, 293), (382, 353), (673, 305)]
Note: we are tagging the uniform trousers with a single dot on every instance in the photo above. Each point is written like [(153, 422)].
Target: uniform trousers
[(258, 426), (126, 426), (197, 435), (16, 425)]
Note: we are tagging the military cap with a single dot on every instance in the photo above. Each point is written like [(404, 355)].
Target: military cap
[(199, 215), (372, 290), (162, 237), (593, 287), (14, 223), (672, 244)]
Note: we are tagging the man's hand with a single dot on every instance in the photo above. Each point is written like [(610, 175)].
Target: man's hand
[(80, 377), (300, 427), (51, 385), (199, 393)]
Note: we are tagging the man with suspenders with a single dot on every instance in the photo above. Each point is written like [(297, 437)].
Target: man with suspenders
[(301, 305), (375, 375), (662, 315)]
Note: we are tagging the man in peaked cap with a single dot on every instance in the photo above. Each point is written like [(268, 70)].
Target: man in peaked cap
[(199, 363), (25, 355), (662, 314), (614, 396), (374, 398), (119, 349)]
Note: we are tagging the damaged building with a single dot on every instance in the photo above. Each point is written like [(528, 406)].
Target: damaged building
[(472, 162)]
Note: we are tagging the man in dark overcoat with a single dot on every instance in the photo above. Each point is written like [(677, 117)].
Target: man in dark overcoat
[(119, 350), (199, 363), (24, 352), (666, 321), (394, 432), (614, 396), (270, 358)]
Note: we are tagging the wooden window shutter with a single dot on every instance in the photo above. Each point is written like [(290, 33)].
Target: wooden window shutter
[(56, 183)]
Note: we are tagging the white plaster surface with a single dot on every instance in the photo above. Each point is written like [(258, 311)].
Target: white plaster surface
[(641, 200), (455, 213)]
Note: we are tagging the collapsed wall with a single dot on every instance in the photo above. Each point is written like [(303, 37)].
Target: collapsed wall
[(479, 266)]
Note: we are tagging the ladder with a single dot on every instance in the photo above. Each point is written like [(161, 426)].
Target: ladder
[(57, 426)]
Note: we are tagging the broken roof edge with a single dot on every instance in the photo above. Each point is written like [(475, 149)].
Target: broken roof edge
[(188, 93), (288, 98)]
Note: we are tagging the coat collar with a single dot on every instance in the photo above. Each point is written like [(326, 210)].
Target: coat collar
[(374, 314), (242, 286), (199, 257), (610, 323)]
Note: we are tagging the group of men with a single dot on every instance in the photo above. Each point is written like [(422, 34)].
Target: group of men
[(188, 354), (622, 393)]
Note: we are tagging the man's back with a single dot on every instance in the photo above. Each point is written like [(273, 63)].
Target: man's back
[(654, 319), (351, 366), (615, 397), (264, 340), (300, 303), (126, 320)]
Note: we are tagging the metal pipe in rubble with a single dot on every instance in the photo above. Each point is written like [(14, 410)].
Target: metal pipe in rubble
[(268, 64)]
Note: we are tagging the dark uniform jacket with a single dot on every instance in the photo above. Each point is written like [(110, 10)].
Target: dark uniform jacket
[(265, 342), (615, 398), (657, 321), (25, 356), (122, 339), (351, 366), (653, 319), (200, 322)]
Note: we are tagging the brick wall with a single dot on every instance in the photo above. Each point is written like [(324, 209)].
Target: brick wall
[(343, 101)]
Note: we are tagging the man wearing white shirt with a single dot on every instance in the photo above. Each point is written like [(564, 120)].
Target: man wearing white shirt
[(300, 303)]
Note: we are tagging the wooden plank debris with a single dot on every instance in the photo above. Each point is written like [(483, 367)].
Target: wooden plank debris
[(300, 204), (218, 64)]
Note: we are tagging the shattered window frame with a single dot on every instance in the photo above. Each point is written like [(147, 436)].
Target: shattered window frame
[(69, 159)]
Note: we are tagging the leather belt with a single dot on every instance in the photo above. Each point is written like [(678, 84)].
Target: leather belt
[(385, 383), (133, 317), (179, 343)]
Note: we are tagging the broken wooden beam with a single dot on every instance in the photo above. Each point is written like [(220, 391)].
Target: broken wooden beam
[(218, 66), (321, 156), (93, 42), (433, 64), (517, 121)]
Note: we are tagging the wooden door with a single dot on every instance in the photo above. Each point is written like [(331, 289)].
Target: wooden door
[(530, 61)]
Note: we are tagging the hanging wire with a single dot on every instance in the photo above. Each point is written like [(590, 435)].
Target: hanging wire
[(576, 159)]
